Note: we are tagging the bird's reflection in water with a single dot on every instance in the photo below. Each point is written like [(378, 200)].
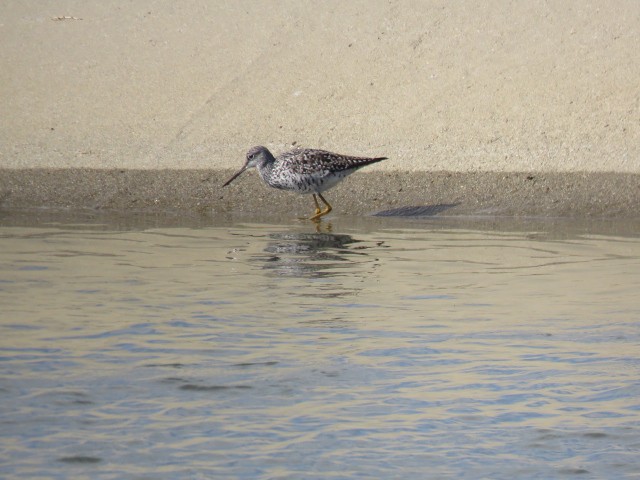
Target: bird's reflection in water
[(314, 255)]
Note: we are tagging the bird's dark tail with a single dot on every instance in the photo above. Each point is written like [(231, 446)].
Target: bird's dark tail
[(368, 161)]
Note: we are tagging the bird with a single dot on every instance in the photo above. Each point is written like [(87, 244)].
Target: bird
[(303, 170)]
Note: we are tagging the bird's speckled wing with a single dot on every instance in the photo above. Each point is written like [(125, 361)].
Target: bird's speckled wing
[(312, 162)]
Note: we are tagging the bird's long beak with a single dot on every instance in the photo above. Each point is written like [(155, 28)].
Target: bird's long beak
[(235, 176)]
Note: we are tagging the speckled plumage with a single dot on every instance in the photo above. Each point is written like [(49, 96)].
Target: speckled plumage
[(303, 170)]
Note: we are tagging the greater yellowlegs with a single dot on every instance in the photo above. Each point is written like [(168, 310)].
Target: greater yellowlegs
[(303, 170)]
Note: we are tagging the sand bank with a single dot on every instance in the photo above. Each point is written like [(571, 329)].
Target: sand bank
[(548, 89)]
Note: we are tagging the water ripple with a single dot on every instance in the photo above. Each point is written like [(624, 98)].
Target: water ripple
[(278, 351)]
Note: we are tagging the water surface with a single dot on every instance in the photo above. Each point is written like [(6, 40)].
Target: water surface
[(164, 347)]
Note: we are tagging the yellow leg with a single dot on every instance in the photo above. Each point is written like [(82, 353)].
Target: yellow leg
[(315, 200), (320, 213)]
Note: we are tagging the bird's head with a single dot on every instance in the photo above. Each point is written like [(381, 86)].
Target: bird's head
[(256, 157)]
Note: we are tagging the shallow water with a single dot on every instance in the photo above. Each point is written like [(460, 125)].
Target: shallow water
[(147, 347)]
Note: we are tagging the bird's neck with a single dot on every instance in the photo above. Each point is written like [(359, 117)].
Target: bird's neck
[(266, 163)]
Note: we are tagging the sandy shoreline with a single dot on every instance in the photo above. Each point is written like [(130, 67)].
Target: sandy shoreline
[(592, 195), (544, 89)]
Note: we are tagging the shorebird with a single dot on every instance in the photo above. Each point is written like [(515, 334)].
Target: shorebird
[(303, 170)]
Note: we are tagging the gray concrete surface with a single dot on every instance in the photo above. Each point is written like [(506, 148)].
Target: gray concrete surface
[(467, 100)]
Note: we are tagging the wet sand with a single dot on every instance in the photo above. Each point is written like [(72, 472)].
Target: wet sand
[(549, 194)]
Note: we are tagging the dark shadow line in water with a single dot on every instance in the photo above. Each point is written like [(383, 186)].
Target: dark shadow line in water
[(79, 253), (173, 380), (181, 235), (452, 244), (547, 264), (573, 471), (80, 459), (169, 365), (255, 364), (212, 388), (416, 210), (331, 294)]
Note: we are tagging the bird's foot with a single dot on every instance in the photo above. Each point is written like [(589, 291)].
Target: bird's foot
[(319, 214)]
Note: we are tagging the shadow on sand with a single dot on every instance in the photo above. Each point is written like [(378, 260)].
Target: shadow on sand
[(416, 211)]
